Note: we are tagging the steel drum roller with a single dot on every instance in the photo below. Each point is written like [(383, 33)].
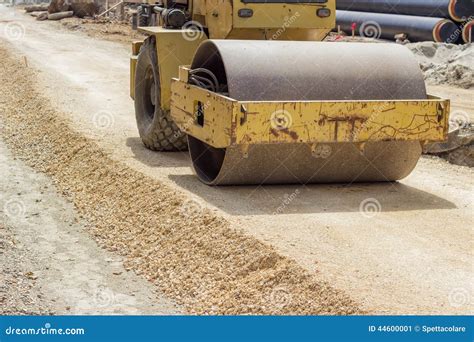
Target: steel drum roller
[(295, 71)]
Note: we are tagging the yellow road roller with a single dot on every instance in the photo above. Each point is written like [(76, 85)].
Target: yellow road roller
[(251, 89)]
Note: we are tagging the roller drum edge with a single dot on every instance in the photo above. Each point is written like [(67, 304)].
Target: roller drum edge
[(294, 163), (318, 71)]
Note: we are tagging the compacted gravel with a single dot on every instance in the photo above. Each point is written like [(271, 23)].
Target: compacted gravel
[(191, 254)]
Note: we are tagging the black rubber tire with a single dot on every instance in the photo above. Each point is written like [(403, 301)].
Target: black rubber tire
[(157, 130), (142, 19)]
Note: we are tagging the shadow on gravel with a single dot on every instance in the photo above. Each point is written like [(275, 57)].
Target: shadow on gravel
[(313, 198), (157, 159)]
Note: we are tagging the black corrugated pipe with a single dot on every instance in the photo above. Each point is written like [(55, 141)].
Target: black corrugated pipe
[(458, 10), (381, 25)]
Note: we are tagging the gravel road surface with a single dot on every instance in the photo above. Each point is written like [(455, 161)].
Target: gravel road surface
[(403, 248), (50, 265)]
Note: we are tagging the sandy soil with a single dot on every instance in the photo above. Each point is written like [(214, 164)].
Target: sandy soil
[(413, 256), (446, 64), (19, 294), (50, 265), (189, 253), (107, 29)]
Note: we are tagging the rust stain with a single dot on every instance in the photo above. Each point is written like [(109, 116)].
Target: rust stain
[(350, 119), (233, 130), (292, 134), (246, 139), (322, 120), (276, 133)]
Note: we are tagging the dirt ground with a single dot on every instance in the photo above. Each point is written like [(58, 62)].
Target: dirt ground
[(18, 292), (446, 64), (50, 265), (107, 29), (190, 254), (224, 250)]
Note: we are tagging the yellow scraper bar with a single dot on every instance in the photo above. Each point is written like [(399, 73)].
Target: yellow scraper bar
[(221, 121)]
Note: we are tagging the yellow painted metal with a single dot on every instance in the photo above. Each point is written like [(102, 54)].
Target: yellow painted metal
[(217, 126), (149, 30), (136, 45), (278, 21), (174, 48), (198, 9), (278, 34), (229, 122), (281, 15), (133, 68), (219, 18)]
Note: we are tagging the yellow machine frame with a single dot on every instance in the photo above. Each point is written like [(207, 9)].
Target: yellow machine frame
[(227, 121), (172, 51), (277, 21)]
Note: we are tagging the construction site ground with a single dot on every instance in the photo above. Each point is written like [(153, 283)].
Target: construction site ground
[(92, 222)]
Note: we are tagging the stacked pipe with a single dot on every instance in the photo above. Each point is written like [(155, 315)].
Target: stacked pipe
[(445, 21), (468, 31)]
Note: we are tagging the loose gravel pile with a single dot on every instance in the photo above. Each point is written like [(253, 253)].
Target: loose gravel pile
[(440, 63), (193, 256), (446, 63)]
